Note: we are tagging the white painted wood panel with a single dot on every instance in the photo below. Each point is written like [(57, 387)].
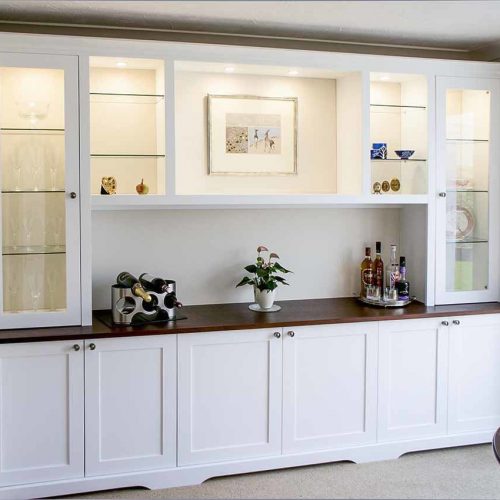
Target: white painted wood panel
[(330, 386), (412, 379), (130, 404), (229, 395), (474, 393), (41, 412)]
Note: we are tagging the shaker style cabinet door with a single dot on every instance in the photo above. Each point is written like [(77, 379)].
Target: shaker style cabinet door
[(41, 412), (130, 404), (330, 386), (413, 372), (474, 392), (39, 209), (229, 395), (468, 204)]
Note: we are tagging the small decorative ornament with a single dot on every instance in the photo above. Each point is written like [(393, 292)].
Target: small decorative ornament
[(378, 151), (386, 186), (404, 154), (377, 187), (395, 184), (108, 185), (142, 188)]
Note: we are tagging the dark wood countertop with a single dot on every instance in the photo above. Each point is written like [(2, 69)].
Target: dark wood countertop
[(218, 317)]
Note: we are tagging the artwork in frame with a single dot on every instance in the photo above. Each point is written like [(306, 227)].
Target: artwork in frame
[(252, 135)]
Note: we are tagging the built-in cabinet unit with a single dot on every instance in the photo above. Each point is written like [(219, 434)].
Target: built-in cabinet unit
[(467, 214), (247, 400), (40, 215)]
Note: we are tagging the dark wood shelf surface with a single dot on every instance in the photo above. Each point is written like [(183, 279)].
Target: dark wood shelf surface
[(218, 317)]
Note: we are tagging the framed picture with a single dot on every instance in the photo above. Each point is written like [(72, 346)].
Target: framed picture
[(251, 135)]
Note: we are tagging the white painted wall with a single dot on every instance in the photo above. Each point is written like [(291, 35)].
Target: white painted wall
[(205, 250)]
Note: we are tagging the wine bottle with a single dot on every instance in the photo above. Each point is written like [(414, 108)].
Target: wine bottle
[(127, 280), (171, 301), (393, 271), (378, 268), (403, 286), (157, 285), (366, 271)]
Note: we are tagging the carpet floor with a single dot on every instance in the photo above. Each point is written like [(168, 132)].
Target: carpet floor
[(469, 472)]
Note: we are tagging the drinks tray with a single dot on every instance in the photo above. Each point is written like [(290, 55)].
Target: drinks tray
[(386, 303), (106, 317)]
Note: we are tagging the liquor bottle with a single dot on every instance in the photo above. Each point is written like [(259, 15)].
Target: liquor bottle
[(152, 284), (403, 286), (378, 268), (393, 271), (127, 280), (366, 271)]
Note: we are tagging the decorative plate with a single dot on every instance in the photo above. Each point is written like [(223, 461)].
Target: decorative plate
[(386, 186), (395, 184), (459, 223)]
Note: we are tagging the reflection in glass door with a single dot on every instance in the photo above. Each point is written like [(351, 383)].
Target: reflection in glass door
[(466, 151), (34, 210)]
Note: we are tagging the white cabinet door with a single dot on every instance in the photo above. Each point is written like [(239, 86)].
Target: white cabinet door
[(474, 392), (130, 404), (41, 412), (40, 206), (229, 395), (330, 386), (412, 378)]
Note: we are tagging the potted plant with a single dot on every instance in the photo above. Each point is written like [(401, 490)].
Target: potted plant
[(265, 278)]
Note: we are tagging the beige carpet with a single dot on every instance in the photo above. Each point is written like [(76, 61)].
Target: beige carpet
[(467, 473)]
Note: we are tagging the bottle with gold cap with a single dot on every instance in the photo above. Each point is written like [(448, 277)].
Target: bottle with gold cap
[(127, 280)]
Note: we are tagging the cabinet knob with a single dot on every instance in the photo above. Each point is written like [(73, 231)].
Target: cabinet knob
[(456, 322), (442, 194), (76, 347), (444, 323), (291, 334), (277, 335), (92, 347), (72, 195)]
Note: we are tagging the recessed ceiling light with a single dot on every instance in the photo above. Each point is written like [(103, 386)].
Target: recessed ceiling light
[(121, 64), (385, 78), (229, 69), (293, 72)]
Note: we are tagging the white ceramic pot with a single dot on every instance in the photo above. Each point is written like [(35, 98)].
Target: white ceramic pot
[(265, 298)]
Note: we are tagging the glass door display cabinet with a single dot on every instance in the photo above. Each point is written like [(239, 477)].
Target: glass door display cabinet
[(398, 134), (467, 181), (39, 210)]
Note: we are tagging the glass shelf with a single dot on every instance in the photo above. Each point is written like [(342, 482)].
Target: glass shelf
[(118, 98), (397, 159), (125, 156), (398, 106), (466, 241), (29, 191), (32, 130), (468, 140), (33, 250), (467, 191)]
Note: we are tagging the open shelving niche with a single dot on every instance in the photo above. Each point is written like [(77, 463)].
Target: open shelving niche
[(127, 124), (398, 117)]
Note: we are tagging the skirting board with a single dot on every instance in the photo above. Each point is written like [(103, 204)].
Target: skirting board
[(196, 474)]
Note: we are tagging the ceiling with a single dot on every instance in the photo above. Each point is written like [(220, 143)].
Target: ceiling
[(450, 25)]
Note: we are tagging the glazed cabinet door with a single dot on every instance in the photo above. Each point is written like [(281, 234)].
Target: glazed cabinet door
[(39, 209), (468, 201), (229, 395), (41, 412), (330, 386), (474, 394), (413, 371), (130, 404)]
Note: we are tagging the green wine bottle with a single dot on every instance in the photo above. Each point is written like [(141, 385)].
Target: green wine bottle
[(127, 280)]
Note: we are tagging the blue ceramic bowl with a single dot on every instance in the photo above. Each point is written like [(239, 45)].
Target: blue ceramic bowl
[(404, 154)]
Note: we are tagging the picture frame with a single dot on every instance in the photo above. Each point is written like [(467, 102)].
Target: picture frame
[(252, 135)]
